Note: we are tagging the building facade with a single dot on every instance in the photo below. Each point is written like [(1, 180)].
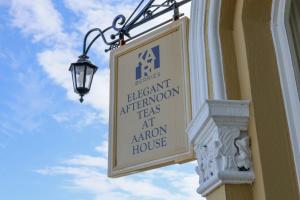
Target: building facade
[(245, 83)]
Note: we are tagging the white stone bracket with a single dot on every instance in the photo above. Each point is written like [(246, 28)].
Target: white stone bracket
[(219, 135)]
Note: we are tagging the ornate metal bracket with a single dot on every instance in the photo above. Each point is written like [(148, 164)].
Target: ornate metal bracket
[(121, 27)]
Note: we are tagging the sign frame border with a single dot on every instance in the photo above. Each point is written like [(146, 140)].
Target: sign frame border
[(181, 25)]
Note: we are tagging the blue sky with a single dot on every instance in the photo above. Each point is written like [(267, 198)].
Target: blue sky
[(51, 146)]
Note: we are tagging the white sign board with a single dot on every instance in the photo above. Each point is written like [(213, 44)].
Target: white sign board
[(150, 102)]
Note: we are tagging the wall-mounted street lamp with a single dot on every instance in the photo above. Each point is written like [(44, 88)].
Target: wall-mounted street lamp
[(83, 70), (82, 75)]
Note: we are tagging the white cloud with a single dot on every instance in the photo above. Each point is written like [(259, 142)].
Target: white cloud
[(103, 148), (38, 18), (99, 94), (180, 186), (79, 118), (88, 174), (87, 161), (56, 63), (45, 24), (61, 117), (25, 109), (185, 179), (5, 2), (98, 13), (2, 55)]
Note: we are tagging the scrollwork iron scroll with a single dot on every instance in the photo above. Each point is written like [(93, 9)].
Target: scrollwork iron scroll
[(119, 32)]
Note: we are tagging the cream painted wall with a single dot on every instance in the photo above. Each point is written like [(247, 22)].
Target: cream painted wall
[(250, 67)]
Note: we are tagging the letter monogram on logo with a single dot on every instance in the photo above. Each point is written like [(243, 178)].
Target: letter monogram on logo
[(149, 61)]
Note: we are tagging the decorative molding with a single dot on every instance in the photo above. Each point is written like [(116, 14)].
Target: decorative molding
[(219, 135), (215, 52), (198, 73), (281, 34)]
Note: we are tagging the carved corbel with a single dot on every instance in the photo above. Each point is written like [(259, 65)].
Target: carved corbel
[(219, 135)]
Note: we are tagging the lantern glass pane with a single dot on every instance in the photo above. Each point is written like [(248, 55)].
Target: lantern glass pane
[(89, 77), (73, 77), (79, 73)]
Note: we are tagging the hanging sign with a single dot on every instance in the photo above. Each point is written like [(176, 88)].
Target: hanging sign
[(150, 102)]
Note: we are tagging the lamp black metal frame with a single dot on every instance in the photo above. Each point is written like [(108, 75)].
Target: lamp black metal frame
[(144, 12)]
